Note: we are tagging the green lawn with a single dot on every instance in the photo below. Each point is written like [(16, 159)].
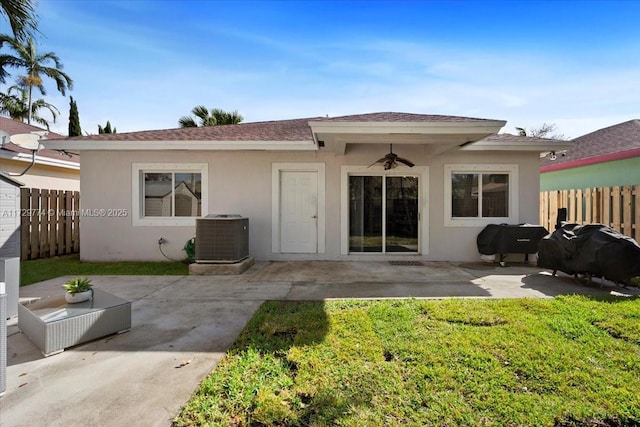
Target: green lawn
[(48, 268), (568, 361)]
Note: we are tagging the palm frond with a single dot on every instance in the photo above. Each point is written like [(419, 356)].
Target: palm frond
[(22, 17), (187, 122)]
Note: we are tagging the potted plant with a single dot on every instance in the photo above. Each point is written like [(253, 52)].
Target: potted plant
[(78, 290)]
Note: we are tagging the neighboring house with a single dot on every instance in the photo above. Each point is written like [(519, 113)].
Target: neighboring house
[(604, 158), (51, 170), (308, 186)]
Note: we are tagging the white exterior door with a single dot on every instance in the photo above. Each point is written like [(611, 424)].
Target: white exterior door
[(299, 212)]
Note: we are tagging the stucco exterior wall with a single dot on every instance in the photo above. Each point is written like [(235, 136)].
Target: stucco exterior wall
[(43, 176), (241, 183), (608, 174)]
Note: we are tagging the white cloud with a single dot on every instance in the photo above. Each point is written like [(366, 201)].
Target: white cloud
[(265, 77)]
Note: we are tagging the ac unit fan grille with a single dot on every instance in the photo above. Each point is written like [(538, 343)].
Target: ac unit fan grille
[(221, 239)]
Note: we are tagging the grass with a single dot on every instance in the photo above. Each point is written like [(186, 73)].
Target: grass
[(48, 268), (568, 361)]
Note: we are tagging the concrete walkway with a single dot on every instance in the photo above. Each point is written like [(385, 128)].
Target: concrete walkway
[(182, 326)]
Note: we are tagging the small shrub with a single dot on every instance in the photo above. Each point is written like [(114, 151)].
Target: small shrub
[(77, 285)]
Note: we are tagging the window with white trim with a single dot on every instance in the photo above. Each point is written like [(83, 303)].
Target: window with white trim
[(480, 194), (169, 193)]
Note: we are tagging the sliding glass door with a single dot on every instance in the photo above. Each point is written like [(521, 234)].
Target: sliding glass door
[(383, 213)]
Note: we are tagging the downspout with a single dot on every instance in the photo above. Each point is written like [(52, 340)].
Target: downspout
[(33, 162)]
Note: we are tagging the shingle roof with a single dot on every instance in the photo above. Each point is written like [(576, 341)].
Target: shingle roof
[(13, 127), (281, 130), (613, 139), (399, 117), (507, 137), (277, 130)]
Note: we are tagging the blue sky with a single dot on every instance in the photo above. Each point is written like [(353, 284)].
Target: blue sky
[(144, 64)]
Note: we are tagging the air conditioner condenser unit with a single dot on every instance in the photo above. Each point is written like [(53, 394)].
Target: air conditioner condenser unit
[(221, 239)]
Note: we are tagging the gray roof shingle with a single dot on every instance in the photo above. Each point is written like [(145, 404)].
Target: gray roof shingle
[(277, 130), (400, 117), (613, 139), (507, 137), (14, 127), (281, 130)]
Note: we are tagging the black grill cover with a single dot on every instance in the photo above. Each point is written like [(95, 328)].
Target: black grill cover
[(510, 239), (590, 249)]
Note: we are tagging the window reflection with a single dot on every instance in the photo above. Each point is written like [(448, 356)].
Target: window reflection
[(169, 194), (491, 198)]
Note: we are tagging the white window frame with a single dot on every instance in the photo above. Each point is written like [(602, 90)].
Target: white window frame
[(137, 169), (422, 172), (509, 169)]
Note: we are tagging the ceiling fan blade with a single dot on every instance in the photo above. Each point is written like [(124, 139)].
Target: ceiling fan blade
[(382, 160), (405, 161)]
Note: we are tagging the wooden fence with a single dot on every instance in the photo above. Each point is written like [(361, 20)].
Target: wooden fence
[(50, 223), (617, 207)]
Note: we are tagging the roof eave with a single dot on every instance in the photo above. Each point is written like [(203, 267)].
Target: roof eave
[(518, 146), (441, 127), (10, 180), (40, 160), (588, 161)]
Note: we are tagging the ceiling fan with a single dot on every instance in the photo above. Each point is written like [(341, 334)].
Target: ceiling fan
[(390, 160)]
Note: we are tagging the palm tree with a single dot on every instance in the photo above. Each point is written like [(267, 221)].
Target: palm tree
[(22, 17), (15, 106), (36, 66), (214, 117)]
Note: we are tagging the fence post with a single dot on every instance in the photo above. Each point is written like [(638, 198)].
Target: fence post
[(68, 196), (44, 222), (579, 207), (597, 205), (35, 223), (636, 209), (627, 228), (53, 222), (572, 206), (60, 225), (25, 223), (616, 221), (76, 221)]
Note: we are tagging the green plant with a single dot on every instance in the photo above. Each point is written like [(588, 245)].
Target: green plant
[(77, 285)]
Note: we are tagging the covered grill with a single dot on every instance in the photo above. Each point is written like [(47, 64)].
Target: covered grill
[(503, 239)]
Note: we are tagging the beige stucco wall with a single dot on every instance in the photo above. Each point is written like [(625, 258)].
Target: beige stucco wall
[(43, 176), (240, 182)]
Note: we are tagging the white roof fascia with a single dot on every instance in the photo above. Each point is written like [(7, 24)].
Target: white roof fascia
[(488, 127), (40, 160), (181, 145), (517, 146)]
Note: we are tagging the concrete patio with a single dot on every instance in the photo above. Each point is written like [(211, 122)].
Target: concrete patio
[(182, 326)]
